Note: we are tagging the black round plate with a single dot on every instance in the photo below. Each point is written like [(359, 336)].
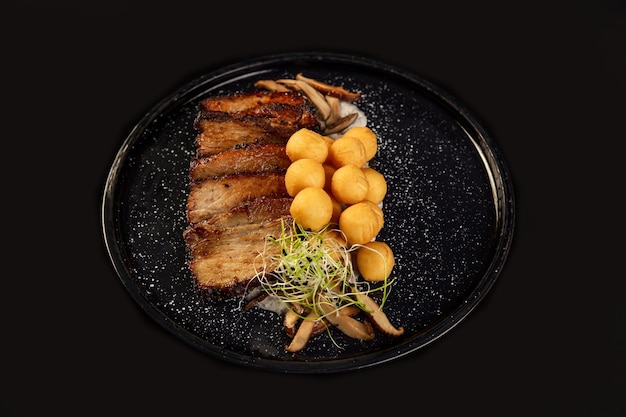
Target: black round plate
[(449, 215)]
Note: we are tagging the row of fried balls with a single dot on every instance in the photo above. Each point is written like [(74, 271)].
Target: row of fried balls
[(331, 182)]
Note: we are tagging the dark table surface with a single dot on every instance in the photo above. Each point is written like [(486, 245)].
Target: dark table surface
[(547, 78)]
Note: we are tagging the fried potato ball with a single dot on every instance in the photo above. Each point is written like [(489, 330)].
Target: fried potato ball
[(349, 184), (347, 150), (376, 209), (306, 143), (337, 236), (329, 170), (304, 173), (375, 260), (361, 222), (377, 185), (329, 140), (337, 209), (312, 208), (336, 245), (367, 138)]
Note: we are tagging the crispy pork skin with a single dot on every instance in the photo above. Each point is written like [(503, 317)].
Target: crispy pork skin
[(246, 102)]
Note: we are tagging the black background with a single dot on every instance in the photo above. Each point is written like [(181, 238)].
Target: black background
[(547, 77)]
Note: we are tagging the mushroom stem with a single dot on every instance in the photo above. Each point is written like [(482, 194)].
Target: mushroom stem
[(316, 98), (378, 317), (271, 85), (304, 332), (330, 90), (348, 325), (290, 321), (340, 124)]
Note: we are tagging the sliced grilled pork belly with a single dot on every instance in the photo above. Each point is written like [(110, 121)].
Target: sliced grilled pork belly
[(217, 195), (249, 158), (226, 261), (273, 113), (258, 117), (237, 194), (290, 107), (220, 134), (257, 211)]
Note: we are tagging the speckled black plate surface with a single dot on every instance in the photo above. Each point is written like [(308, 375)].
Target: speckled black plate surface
[(449, 215)]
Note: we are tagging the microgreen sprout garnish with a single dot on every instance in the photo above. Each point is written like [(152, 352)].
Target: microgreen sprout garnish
[(314, 271)]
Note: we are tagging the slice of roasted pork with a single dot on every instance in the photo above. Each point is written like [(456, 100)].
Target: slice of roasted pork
[(254, 212), (257, 117), (264, 157), (288, 107), (221, 134), (226, 261), (217, 195)]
